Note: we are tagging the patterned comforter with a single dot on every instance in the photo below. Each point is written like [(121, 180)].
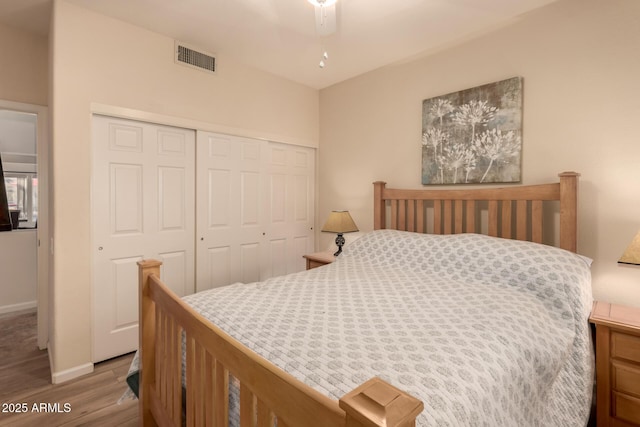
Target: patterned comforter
[(485, 331)]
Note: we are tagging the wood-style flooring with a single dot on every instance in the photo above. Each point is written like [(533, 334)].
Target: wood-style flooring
[(25, 378)]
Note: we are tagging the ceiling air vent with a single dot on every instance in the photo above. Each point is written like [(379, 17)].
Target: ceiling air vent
[(187, 55)]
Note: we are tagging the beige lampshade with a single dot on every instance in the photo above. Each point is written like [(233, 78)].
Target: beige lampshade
[(339, 222), (632, 254)]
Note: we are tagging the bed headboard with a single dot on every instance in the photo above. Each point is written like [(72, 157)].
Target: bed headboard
[(512, 212)]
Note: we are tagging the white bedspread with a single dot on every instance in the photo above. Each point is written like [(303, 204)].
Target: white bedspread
[(485, 331)]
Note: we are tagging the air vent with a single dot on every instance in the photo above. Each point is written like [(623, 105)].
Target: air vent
[(187, 55)]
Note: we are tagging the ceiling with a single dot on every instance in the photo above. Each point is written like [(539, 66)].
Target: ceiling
[(279, 36)]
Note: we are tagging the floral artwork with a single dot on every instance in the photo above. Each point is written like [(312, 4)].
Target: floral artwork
[(474, 135)]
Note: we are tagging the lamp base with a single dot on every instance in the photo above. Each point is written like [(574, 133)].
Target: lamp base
[(339, 243)]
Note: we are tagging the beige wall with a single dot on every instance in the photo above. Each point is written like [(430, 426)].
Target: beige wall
[(23, 74), (98, 60), (581, 67)]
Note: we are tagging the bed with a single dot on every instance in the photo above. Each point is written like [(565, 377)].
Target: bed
[(449, 328)]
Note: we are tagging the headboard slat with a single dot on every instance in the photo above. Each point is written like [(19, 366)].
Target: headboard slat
[(394, 214), (493, 218), (521, 219), (420, 219), (448, 223), (459, 215), (437, 217), (506, 219), (411, 215), (402, 215), (536, 221), (471, 216)]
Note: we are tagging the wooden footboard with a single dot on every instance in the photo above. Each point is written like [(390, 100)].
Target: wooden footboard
[(266, 393)]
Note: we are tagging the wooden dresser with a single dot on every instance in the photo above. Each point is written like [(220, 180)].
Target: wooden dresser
[(617, 364)]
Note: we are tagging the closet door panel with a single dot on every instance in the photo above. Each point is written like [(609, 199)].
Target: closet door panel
[(172, 204), (250, 262), (250, 200), (230, 213), (175, 271), (126, 309), (291, 175), (125, 199), (143, 189), (218, 265), (277, 257), (217, 198)]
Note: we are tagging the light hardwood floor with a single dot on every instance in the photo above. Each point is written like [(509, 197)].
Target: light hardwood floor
[(25, 378)]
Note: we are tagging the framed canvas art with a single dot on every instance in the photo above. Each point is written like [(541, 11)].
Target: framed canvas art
[(474, 135)]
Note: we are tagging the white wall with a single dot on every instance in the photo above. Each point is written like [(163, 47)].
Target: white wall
[(101, 61), (581, 67), (18, 264)]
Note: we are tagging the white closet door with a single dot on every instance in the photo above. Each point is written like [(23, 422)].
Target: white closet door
[(143, 207), (231, 209), (291, 178)]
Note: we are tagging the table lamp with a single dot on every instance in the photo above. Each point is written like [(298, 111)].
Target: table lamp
[(339, 222), (632, 254)]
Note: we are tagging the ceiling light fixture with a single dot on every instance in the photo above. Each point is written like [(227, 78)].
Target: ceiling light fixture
[(322, 2), (325, 16), (325, 22)]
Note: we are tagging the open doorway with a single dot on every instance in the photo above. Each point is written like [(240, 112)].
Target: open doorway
[(24, 251)]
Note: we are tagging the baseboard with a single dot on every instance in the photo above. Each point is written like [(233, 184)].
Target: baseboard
[(18, 307), (69, 374)]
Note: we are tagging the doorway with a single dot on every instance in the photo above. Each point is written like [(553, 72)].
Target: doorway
[(25, 157)]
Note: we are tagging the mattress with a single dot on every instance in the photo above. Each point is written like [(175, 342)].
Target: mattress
[(485, 331)]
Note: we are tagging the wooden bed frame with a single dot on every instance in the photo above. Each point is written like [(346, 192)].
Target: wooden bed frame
[(267, 392)]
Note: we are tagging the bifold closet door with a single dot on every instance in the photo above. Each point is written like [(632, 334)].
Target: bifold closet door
[(143, 197)]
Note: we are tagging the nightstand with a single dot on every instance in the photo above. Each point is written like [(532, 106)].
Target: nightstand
[(319, 259), (617, 364)]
